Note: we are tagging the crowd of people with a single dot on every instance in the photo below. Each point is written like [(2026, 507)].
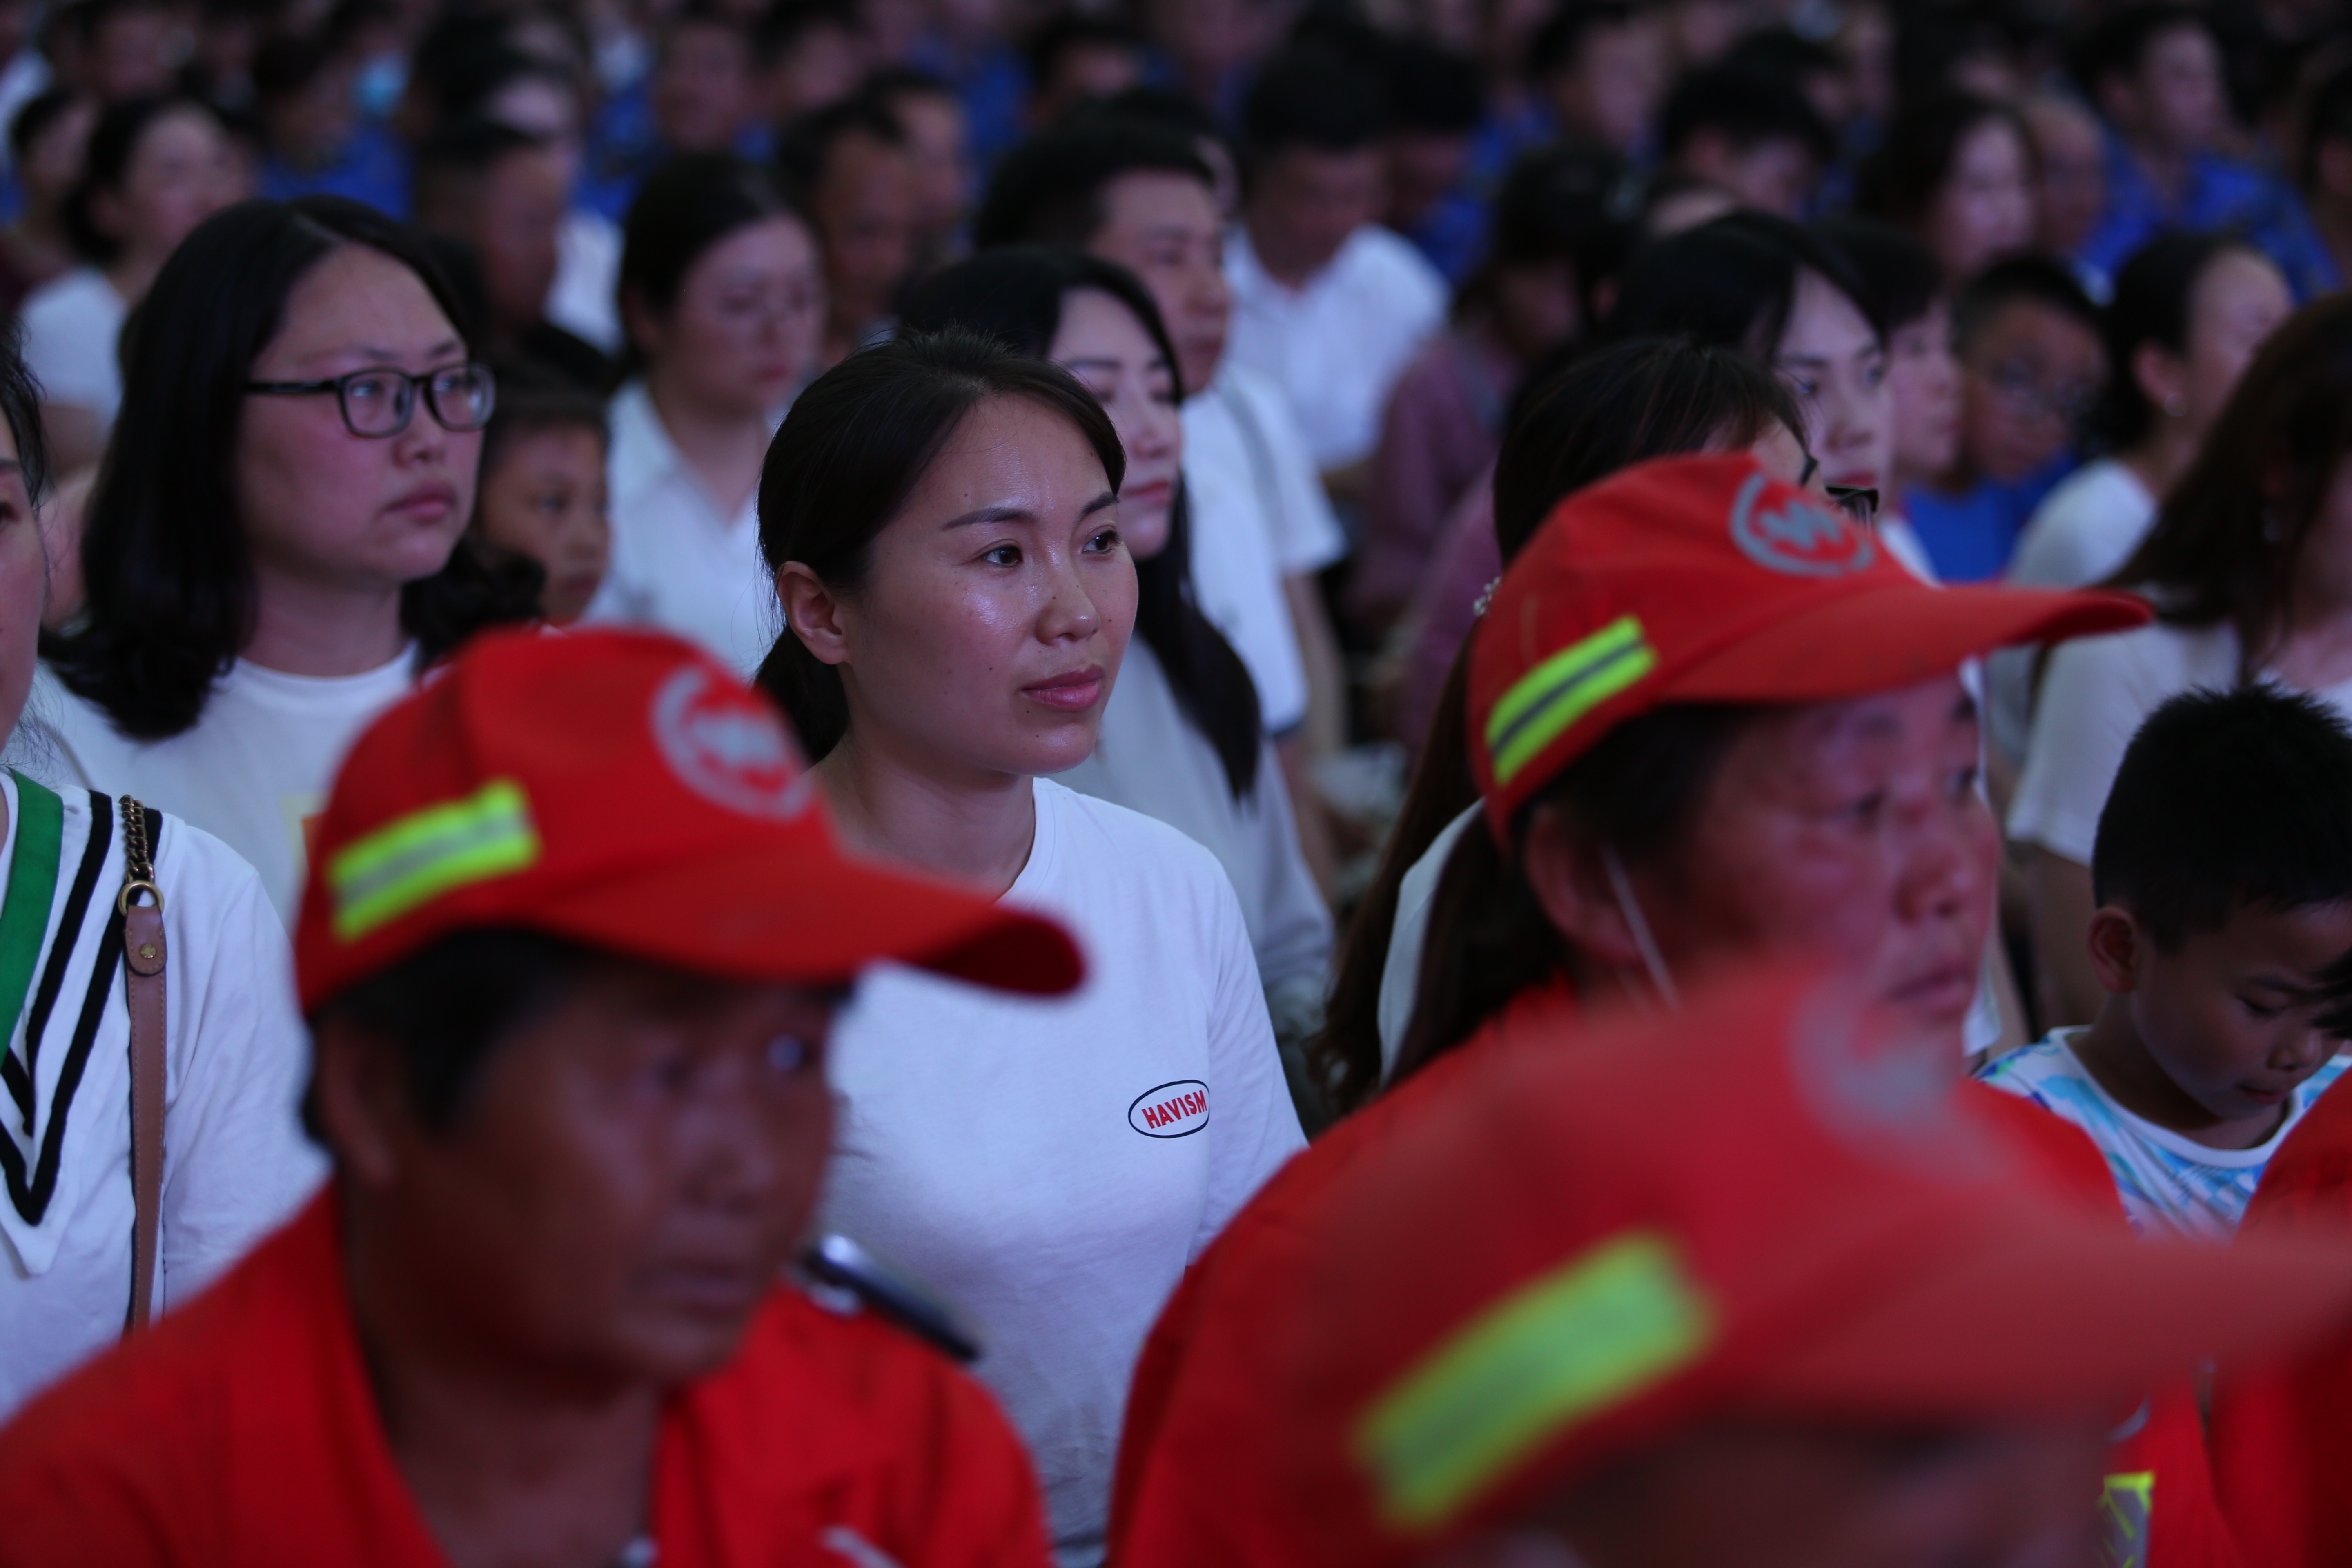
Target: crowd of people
[(1492, 783)]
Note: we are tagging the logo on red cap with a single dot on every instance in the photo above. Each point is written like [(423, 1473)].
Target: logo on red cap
[(728, 746), (1799, 538)]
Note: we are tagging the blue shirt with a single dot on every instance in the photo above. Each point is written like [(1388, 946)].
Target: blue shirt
[(2221, 194), (1969, 537), (372, 167)]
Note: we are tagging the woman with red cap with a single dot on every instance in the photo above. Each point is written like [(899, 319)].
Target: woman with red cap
[(571, 949), (942, 519)]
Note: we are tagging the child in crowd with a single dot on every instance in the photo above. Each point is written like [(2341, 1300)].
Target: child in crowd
[(2223, 937), (2028, 344), (541, 490)]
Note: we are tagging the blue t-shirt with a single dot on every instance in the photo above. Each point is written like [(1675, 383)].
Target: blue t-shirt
[(1969, 537), (2170, 1186)]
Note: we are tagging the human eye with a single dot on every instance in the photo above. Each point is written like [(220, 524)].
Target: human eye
[(790, 1056), (1960, 785), (1003, 555), (1103, 542), (1865, 811), (551, 501), (2261, 1009), (369, 388)]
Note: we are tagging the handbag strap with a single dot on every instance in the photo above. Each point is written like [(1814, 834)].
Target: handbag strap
[(142, 962)]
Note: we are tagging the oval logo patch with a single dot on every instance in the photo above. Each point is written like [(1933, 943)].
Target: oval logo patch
[(1175, 1109), (728, 746), (1800, 539)]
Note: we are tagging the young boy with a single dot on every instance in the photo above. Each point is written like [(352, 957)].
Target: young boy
[(2223, 874), (541, 492)]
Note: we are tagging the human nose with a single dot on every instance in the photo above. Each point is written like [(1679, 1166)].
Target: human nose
[(1948, 852), (2305, 1046), (1068, 612)]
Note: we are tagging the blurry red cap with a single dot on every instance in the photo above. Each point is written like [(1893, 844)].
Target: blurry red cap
[(622, 789), (1771, 1204), (1703, 578)]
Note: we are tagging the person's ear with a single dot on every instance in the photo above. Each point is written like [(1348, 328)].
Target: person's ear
[(2162, 379), (1571, 882), (2120, 948), (813, 611), (359, 1097)]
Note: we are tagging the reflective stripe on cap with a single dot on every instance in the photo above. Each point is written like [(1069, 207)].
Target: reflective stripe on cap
[(1563, 688), (405, 863), (1602, 1326)]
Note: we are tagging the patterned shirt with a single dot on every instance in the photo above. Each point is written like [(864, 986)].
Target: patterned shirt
[(2169, 1184)]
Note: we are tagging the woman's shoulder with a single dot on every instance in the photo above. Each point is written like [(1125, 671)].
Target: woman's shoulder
[(1093, 834)]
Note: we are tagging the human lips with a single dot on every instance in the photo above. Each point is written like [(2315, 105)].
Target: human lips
[(1150, 493), (430, 502), (1946, 989), (1072, 691)]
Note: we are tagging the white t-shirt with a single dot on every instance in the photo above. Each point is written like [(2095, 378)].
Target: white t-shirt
[(236, 1162), (676, 562), (1151, 758), (1052, 1166), (1259, 516), (1338, 345), (255, 767), (2095, 695), (2086, 530), (2170, 1186), (72, 325), (587, 266)]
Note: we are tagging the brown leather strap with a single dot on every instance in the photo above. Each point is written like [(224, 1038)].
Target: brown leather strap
[(142, 962)]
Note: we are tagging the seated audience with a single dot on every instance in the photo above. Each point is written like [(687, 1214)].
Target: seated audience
[(1958, 171), (155, 168), (2032, 369), (1752, 135), (317, 140), (1328, 305), (91, 1251), (724, 301), (1600, 68), (1445, 421), (47, 140), (501, 194), (853, 172), (542, 489), (284, 557), (2223, 872), (571, 957), (941, 517), (1182, 740), (2249, 568)]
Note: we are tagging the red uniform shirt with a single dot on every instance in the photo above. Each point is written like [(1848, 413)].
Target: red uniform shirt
[(2283, 1436), (244, 1430), (1169, 1502)]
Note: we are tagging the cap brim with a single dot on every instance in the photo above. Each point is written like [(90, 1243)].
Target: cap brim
[(815, 919), (2054, 1319), (1887, 637)]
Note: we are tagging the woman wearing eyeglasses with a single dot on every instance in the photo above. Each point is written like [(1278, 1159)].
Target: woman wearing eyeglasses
[(272, 552)]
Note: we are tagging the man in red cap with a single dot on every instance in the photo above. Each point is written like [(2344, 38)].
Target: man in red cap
[(574, 936), (1541, 1331), (1712, 722)]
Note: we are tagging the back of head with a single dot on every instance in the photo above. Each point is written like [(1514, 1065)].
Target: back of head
[(2155, 292), (1746, 108), (857, 441), (1315, 98), (1898, 273), (1050, 189), (1730, 282), (2033, 279), (2228, 800)]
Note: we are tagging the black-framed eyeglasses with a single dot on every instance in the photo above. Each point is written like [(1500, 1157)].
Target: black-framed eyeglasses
[(379, 401), (1859, 502)]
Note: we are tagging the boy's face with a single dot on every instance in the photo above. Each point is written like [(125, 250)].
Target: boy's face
[(1163, 226), (545, 498), (2033, 372), (2229, 1014)]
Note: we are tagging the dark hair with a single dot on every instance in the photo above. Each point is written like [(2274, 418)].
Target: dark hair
[(106, 162), (2327, 118), (40, 111), (460, 153), (477, 76), (20, 405), (1015, 295), (2228, 536), (1636, 400), (784, 26), (807, 143), (1898, 273), (2225, 801), (446, 1007), (1731, 282), (1435, 91), (1556, 204), (2155, 291), (1931, 42), (1900, 181), (531, 398), (2117, 43), (2034, 279), (171, 597), (1746, 108), (284, 66), (1162, 106), (686, 206), (1049, 189), (1784, 52), (1066, 32), (1560, 42), (855, 446), (1314, 97)]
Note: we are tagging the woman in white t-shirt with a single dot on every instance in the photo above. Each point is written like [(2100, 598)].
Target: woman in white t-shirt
[(943, 520), (723, 299), (155, 168), (2250, 565), (279, 552), (235, 1159), (1182, 738)]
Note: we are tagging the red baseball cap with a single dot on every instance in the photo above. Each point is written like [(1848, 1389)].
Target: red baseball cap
[(1561, 1260), (622, 789), (1703, 578)]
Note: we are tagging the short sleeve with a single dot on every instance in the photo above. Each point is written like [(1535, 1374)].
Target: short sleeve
[(1306, 532), (2095, 693)]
